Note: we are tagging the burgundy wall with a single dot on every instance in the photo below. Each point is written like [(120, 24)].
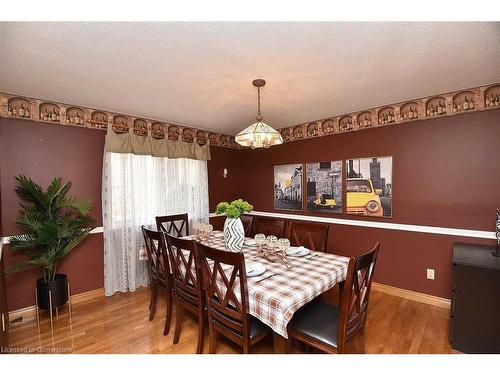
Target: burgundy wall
[(231, 187), (43, 151), (445, 173)]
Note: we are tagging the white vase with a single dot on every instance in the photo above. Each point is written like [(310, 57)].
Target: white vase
[(234, 234)]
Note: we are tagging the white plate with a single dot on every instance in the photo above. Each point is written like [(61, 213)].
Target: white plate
[(298, 252), (254, 269), (294, 250), (250, 242), (219, 235), (249, 265)]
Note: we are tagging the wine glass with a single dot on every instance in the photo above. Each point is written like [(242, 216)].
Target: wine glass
[(197, 227), (271, 242), (208, 228), (283, 244), (260, 240)]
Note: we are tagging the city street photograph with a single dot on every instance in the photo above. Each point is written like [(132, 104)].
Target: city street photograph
[(288, 187)]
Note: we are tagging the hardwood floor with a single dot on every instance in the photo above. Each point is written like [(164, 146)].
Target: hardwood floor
[(119, 324)]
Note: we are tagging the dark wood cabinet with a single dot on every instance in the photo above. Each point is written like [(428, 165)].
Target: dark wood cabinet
[(475, 300)]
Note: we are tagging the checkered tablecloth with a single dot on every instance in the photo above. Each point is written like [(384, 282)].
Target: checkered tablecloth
[(275, 300)]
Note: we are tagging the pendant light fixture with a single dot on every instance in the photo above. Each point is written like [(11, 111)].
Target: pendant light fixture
[(259, 134)]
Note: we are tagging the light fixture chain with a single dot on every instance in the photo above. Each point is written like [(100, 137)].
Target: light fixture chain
[(258, 101)]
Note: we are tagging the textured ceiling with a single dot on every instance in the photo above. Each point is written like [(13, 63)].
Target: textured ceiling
[(200, 73)]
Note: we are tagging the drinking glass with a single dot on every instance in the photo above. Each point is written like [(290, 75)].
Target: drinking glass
[(198, 229), (208, 228), (260, 240), (283, 244), (271, 242)]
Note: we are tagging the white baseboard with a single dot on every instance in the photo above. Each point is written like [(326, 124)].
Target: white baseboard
[(30, 311), (412, 295)]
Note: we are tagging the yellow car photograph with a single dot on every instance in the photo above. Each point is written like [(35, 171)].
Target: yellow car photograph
[(369, 187)]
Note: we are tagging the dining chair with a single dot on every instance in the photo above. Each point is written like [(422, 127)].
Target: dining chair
[(159, 273), (173, 224), (188, 285), (226, 291), (247, 221), (330, 328), (311, 235), (270, 226)]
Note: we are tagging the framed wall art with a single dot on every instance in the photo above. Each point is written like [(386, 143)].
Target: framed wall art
[(369, 186), (324, 187), (288, 187)]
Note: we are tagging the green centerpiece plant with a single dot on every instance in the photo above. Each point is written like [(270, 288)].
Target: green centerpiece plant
[(234, 209), (234, 233)]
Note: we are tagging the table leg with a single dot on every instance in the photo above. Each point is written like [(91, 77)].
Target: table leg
[(279, 343)]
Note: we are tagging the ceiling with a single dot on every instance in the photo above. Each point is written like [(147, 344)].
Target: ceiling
[(200, 74)]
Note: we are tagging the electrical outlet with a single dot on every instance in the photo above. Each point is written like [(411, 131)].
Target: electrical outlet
[(430, 273)]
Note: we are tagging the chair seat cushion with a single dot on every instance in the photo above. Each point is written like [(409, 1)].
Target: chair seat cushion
[(256, 327), (317, 320)]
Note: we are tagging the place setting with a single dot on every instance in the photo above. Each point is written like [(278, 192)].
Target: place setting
[(300, 252), (257, 271)]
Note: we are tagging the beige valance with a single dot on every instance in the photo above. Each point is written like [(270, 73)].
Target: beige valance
[(130, 143)]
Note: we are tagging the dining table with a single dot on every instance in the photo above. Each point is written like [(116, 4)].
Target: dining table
[(285, 287)]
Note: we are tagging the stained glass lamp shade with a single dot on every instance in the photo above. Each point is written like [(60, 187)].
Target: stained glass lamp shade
[(259, 134)]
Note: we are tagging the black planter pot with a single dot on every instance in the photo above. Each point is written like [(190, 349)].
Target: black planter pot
[(58, 289)]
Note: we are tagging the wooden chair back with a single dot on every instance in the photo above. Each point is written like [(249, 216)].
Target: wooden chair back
[(158, 264), (227, 301), (186, 270), (314, 236), (355, 296), (247, 221), (270, 226), (173, 224)]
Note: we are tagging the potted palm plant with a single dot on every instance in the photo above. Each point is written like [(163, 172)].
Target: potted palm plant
[(53, 224), (234, 233)]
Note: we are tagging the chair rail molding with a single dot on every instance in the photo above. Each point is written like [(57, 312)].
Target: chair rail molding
[(460, 232), (5, 240), (471, 233)]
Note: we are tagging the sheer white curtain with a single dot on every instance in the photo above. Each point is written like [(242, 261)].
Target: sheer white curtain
[(136, 189)]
